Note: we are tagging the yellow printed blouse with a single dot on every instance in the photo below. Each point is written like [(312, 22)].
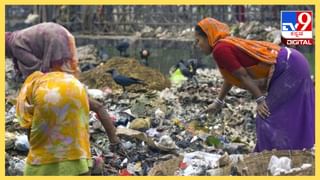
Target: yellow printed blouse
[(55, 107)]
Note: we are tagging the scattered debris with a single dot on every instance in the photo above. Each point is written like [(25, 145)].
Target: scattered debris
[(255, 30), (161, 132), (161, 33)]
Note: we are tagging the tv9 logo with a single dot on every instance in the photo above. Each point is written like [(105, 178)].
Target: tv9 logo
[(296, 27)]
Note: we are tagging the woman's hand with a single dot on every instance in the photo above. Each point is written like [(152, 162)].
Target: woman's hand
[(263, 109), (213, 108), (118, 149)]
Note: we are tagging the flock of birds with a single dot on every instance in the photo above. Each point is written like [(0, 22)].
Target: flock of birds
[(187, 67)]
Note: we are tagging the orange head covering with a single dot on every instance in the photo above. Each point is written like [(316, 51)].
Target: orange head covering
[(217, 31)]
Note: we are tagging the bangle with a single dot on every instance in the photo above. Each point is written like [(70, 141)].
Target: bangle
[(260, 99), (217, 100)]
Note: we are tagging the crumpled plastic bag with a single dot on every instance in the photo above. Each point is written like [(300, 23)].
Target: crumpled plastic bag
[(177, 77), (198, 162), (166, 143), (279, 165), (22, 143)]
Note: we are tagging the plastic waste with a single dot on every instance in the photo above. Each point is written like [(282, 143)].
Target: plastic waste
[(279, 165), (22, 143)]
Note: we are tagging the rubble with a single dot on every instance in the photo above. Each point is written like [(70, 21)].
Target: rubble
[(162, 134), (255, 30), (162, 33), (88, 57), (149, 32)]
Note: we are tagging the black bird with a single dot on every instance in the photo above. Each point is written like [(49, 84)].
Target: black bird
[(144, 54), (87, 67), (195, 64), (122, 48), (124, 80), (188, 69), (102, 53), (185, 70)]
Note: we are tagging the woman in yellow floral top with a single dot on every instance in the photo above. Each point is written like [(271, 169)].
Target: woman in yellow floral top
[(55, 107), (48, 47)]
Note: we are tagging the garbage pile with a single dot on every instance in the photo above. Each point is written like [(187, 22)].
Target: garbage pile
[(255, 30), (163, 33), (161, 132), (99, 78), (162, 135), (159, 125), (88, 57)]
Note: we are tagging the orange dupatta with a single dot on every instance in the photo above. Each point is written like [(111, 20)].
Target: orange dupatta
[(265, 52)]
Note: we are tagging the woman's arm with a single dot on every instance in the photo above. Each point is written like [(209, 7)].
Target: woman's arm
[(26, 58), (247, 82), (218, 103), (105, 120), (224, 90)]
